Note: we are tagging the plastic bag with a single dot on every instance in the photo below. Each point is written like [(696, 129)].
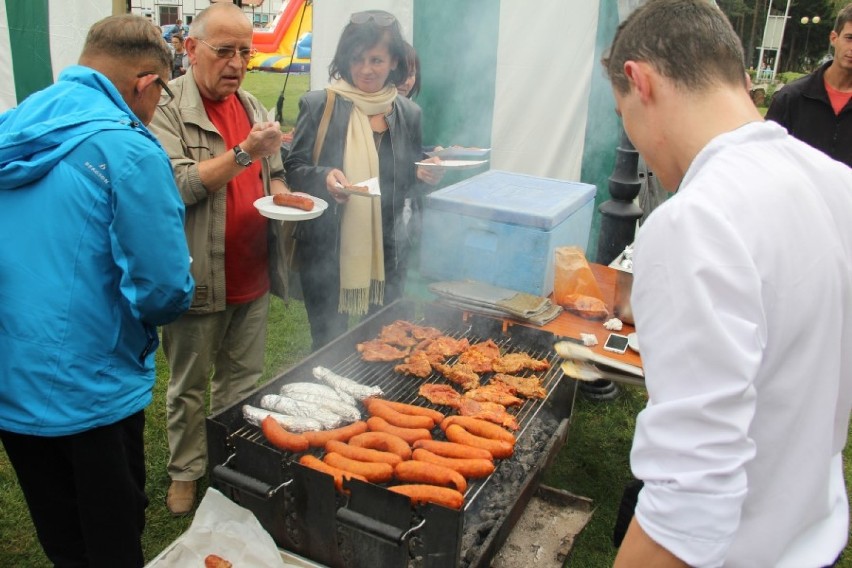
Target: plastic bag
[(575, 287), (226, 529)]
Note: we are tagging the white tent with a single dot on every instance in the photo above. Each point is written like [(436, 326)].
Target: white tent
[(40, 39), (521, 77), (539, 71)]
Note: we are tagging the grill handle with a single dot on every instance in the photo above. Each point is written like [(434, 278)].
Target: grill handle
[(244, 482), (384, 531)]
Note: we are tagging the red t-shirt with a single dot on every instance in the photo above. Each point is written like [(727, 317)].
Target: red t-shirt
[(838, 98), (246, 249)]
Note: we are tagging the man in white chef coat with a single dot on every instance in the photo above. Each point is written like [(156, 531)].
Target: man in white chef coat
[(742, 297)]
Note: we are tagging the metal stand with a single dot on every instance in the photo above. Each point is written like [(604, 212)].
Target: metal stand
[(618, 229), (620, 213)]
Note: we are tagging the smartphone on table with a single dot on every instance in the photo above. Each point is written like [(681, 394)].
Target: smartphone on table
[(616, 343)]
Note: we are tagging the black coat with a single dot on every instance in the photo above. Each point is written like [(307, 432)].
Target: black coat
[(303, 175), (803, 108)]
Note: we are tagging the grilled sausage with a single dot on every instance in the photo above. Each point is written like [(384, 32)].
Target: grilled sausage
[(410, 435), (362, 454), (292, 200), (479, 428), (319, 438), (415, 410), (382, 441), (281, 438), (338, 474), (452, 449), (499, 449), (473, 468), (378, 408), (418, 494), (214, 561), (413, 471), (374, 472)]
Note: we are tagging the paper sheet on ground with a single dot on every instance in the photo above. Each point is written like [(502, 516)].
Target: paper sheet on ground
[(224, 528)]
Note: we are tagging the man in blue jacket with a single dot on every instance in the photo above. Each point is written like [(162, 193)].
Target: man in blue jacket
[(175, 29), (93, 259)]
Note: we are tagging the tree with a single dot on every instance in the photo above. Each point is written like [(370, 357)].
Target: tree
[(803, 44)]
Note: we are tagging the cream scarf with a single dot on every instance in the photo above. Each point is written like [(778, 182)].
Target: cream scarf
[(362, 261)]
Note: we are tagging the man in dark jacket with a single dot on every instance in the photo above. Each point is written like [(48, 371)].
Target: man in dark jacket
[(815, 108)]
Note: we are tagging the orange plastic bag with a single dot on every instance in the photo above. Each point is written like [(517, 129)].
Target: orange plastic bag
[(575, 287)]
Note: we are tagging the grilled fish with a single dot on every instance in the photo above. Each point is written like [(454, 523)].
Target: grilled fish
[(317, 390), (340, 383), (350, 413), (293, 407), (296, 424)]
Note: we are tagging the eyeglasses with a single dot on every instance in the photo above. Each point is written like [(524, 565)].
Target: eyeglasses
[(160, 82), (229, 52), (380, 17)]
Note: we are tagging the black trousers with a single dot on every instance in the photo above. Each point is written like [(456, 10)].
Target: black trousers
[(85, 492), (319, 274)]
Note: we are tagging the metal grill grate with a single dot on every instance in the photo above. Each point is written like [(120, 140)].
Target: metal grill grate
[(404, 388)]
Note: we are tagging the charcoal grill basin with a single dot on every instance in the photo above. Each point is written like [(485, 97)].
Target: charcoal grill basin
[(372, 526)]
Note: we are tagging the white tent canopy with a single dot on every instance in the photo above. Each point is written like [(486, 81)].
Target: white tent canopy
[(63, 28), (544, 64)]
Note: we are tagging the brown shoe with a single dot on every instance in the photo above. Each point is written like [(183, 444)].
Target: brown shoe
[(180, 499)]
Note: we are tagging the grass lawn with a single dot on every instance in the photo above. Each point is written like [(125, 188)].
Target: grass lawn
[(267, 87), (593, 463)]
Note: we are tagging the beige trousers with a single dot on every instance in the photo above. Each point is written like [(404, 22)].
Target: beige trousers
[(230, 344)]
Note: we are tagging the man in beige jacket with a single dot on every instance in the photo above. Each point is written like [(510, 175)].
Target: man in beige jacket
[(224, 157)]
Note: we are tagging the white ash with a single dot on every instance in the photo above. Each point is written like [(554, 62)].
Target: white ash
[(507, 481)]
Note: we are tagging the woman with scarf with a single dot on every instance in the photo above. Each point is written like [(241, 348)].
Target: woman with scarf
[(353, 258)]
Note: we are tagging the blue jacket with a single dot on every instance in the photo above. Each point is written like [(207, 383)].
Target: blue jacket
[(93, 258)]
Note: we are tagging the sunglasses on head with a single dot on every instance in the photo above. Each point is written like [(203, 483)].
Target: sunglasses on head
[(379, 17)]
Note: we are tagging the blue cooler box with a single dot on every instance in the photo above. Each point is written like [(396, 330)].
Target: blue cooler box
[(502, 228)]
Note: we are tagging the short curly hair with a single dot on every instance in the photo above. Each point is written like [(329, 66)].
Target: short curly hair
[(691, 42), (844, 17), (127, 37)]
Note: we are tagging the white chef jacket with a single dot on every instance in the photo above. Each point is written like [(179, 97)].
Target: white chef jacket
[(742, 297)]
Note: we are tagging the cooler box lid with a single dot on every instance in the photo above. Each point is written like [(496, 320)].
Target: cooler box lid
[(518, 199)]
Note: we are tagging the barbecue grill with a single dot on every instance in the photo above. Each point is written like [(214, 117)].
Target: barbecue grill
[(372, 526)]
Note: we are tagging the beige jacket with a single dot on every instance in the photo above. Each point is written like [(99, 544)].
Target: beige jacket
[(189, 137)]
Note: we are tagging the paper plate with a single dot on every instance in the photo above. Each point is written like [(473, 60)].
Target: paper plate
[(453, 164), (633, 341), (459, 153), (268, 209), (371, 184)]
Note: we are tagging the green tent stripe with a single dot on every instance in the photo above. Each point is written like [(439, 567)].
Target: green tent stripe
[(457, 45), (30, 45), (603, 127)]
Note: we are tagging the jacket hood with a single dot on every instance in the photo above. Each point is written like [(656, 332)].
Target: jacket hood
[(49, 124)]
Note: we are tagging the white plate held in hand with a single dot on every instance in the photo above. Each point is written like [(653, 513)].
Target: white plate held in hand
[(453, 164), (459, 153), (371, 184), (268, 209)]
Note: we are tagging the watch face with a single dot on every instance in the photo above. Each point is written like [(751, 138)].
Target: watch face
[(243, 158)]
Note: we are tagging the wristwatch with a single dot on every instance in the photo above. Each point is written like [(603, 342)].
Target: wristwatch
[(241, 156)]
